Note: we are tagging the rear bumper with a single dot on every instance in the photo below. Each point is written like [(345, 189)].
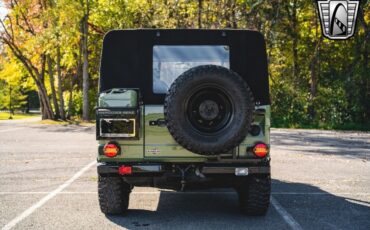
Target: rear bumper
[(179, 176), (140, 169)]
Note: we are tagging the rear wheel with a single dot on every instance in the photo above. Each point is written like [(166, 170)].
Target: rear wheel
[(114, 195), (254, 195)]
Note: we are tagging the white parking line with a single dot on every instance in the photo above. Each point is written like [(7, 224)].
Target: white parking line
[(285, 214), (288, 218), (45, 199), (9, 130)]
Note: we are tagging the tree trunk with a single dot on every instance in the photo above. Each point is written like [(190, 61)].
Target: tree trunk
[(295, 41), (45, 106), (60, 90), (52, 86), (233, 15), (292, 31), (230, 14), (10, 103), (314, 72), (74, 78), (200, 9), (313, 88), (70, 100), (85, 74), (72, 82), (39, 78), (47, 112), (42, 110)]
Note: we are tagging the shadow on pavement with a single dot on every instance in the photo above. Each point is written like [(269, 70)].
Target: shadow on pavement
[(325, 143), (310, 206)]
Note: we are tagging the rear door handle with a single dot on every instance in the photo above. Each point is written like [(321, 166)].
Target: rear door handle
[(159, 122)]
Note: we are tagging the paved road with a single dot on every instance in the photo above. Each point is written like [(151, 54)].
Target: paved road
[(321, 180)]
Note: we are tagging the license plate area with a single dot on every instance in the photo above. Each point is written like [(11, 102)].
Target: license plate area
[(117, 123), (117, 127)]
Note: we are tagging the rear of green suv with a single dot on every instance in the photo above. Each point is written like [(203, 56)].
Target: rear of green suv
[(183, 109)]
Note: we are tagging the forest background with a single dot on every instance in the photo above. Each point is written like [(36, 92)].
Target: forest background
[(50, 50)]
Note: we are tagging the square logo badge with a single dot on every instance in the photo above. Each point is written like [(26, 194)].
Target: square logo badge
[(338, 18)]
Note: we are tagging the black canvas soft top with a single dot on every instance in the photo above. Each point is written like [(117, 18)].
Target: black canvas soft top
[(127, 58)]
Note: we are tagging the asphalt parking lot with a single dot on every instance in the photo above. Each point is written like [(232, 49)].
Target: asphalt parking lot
[(48, 180)]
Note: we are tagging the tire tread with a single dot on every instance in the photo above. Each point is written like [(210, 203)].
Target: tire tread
[(113, 195), (176, 131), (254, 196)]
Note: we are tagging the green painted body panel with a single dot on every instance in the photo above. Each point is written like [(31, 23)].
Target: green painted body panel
[(130, 149), (156, 143), (265, 123), (158, 140)]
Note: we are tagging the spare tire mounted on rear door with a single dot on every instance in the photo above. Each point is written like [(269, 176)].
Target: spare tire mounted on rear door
[(208, 109)]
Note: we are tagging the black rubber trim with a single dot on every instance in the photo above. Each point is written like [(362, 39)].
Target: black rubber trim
[(231, 170), (136, 169), (155, 169)]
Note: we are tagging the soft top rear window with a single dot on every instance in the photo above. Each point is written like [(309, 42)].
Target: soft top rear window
[(170, 61)]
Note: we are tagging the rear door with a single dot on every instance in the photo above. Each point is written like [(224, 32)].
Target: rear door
[(170, 61)]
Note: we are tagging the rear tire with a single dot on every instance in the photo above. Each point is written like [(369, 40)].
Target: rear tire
[(114, 195), (208, 109), (254, 195)]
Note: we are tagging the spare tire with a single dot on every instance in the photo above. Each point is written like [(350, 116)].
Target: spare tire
[(208, 109)]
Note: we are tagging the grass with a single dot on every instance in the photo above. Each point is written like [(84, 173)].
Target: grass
[(344, 127), (73, 121), (17, 116)]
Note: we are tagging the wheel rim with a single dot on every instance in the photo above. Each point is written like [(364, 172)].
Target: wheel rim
[(209, 109)]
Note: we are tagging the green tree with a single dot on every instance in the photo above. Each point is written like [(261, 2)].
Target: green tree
[(14, 85)]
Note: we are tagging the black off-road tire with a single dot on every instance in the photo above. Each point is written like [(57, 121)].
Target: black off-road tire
[(254, 195), (234, 97), (114, 195)]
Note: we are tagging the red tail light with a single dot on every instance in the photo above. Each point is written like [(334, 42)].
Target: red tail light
[(125, 170), (260, 150), (111, 150)]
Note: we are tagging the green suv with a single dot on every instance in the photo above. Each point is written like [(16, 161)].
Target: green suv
[(183, 109)]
